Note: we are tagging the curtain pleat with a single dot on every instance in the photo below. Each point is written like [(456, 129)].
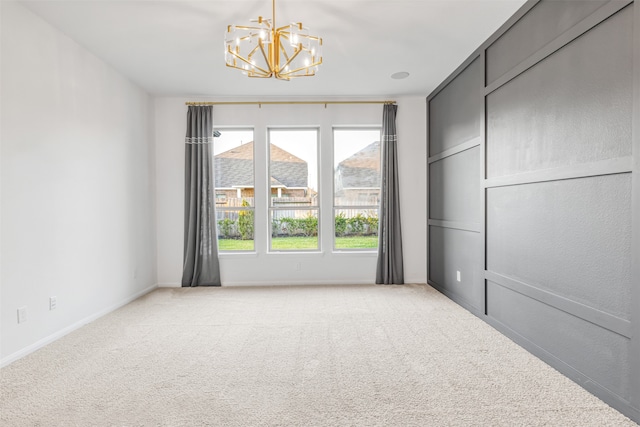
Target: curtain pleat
[(201, 266), (390, 268)]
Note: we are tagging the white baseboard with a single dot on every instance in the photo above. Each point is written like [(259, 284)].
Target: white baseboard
[(298, 283), (290, 283), (415, 280), (77, 325), (276, 283), (169, 285)]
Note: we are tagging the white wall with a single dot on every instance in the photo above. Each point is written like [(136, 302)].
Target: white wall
[(78, 219), (412, 160), (270, 268)]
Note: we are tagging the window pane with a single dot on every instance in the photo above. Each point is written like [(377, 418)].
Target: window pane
[(356, 164), (295, 229), (234, 189), (356, 228), (293, 167), (235, 229), (233, 168), (356, 167)]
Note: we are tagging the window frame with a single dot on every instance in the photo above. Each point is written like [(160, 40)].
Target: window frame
[(216, 190), (335, 207), (271, 208)]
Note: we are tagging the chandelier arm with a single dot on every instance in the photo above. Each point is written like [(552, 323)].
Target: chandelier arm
[(264, 54), (299, 76), (251, 71), (291, 58), (287, 35), (246, 71), (244, 38), (290, 72), (254, 50), (237, 56), (246, 61), (247, 27), (284, 52)]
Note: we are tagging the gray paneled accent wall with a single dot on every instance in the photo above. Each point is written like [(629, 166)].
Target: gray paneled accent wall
[(544, 22), (534, 195), (456, 110), (455, 113), (542, 133)]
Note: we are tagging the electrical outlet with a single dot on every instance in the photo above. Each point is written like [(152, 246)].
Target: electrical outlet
[(298, 266), (458, 276), (53, 303), (22, 314)]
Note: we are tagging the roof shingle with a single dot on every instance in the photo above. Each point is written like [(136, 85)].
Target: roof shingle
[(234, 168)]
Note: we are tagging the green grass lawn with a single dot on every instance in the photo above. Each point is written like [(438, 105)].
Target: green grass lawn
[(235, 245), (293, 243), (357, 242)]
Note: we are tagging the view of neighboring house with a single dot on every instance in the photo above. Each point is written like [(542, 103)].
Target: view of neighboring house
[(357, 177), (234, 174), (289, 174)]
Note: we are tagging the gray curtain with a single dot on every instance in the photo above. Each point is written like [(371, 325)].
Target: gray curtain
[(390, 269), (201, 267)]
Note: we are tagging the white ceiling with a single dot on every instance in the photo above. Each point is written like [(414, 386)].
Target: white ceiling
[(176, 47)]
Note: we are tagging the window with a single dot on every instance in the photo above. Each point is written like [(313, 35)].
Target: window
[(273, 167), (293, 186), (356, 190), (233, 153)]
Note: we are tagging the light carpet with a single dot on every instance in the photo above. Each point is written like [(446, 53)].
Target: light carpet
[(292, 356)]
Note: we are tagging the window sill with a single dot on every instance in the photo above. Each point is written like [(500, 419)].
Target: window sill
[(296, 253), (238, 254), (345, 252)]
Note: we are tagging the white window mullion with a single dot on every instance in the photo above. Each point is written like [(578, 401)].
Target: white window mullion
[(326, 182), (262, 185)]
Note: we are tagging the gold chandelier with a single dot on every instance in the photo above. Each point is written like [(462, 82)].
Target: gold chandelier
[(263, 50)]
